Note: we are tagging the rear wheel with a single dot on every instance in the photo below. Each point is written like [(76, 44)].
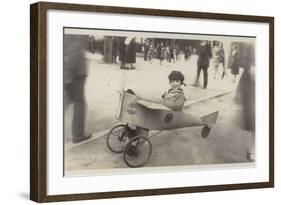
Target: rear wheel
[(116, 138), (205, 131), (137, 151)]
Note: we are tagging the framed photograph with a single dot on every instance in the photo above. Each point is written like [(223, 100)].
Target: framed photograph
[(135, 102)]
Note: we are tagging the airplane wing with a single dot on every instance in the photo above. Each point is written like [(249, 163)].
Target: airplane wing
[(152, 105), (158, 106), (192, 102), (231, 87)]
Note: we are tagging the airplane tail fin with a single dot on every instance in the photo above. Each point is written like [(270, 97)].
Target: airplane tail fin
[(210, 119)]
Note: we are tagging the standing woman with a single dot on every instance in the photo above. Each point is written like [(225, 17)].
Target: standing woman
[(130, 54)]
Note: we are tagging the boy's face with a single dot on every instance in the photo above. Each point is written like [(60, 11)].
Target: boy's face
[(175, 84)]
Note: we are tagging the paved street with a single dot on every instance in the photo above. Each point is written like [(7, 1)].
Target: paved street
[(227, 143)]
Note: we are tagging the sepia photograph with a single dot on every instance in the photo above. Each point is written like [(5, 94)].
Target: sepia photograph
[(137, 101)]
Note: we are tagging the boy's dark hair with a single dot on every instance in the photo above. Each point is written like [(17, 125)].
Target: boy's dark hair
[(176, 75)]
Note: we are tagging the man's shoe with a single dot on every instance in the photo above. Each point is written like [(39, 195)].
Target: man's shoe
[(81, 139)]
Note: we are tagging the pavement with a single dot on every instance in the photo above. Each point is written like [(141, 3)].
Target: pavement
[(226, 144)]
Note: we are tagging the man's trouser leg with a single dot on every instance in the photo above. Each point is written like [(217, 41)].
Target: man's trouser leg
[(79, 109), (198, 75), (205, 72)]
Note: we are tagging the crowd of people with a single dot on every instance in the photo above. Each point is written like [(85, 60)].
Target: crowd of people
[(161, 52), (166, 53), (208, 53)]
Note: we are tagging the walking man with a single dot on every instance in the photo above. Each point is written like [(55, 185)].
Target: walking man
[(74, 76), (204, 55)]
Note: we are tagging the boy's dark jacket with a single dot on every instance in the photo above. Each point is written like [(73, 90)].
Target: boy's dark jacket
[(174, 99)]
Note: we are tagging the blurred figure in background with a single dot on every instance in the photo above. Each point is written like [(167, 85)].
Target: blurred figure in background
[(114, 50), (167, 55), (92, 44), (172, 54), (215, 59), (187, 52), (234, 61), (127, 52), (204, 55), (245, 93), (145, 49), (74, 77), (150, 53), (246, 88), (122, 49), (222, 59), (160, 52), (130, 53)]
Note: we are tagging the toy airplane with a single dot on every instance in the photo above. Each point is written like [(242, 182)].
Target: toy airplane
[(149, 116), (155, 116)]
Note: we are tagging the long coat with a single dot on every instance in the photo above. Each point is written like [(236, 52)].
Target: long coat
[(234, 63), (122, 48), (131, 52), (74, 62), (204, 55), (127, 51)]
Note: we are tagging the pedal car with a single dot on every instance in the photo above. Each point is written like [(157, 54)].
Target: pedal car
[(146, 115)]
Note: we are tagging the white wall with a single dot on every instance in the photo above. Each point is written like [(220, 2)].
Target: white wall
[(14, 109)]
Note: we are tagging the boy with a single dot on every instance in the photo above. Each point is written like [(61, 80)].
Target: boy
[(174, 98)]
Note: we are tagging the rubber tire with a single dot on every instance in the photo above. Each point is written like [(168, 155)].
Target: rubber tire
[(205, 131), (109, 136), (128, 146)]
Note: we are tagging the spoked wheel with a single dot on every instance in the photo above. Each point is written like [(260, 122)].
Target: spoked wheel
[(116, 138), (205, 131), (137, 151)]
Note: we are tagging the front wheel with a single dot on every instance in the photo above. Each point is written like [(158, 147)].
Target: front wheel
[(137, 151), (116, 138)]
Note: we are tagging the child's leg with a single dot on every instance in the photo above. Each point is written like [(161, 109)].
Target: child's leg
[(142, 132)]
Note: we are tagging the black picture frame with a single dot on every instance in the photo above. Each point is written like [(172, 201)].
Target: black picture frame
[(38, 100)]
